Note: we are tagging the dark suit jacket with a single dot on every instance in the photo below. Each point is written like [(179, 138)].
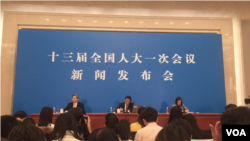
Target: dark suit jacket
[(130, 106), (70, 105)]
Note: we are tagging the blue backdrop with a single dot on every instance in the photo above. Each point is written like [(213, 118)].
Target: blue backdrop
[(104, 67)]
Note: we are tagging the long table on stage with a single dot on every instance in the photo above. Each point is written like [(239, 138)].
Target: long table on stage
[(98, 119)]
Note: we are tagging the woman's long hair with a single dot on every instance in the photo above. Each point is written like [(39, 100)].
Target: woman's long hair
[(64, 122), (109, 115), (45, 117), (173, 132), (111, 122), (78, 113), (103, 134), (123, 129), (175, 113), (197, 132), (140, 120)]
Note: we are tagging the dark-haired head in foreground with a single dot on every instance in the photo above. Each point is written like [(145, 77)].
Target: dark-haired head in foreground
[(78, 114), (29, 121), (236, 116), (111, 122), (65, 123), (232, 116), (150, 131), (82, 126), (109, 115), (123, 129), (45, 117), (7, 123), (229, 106), (173, 132), (103, 134), (20, 115), (148, 115), (26, 133), (184, 124), (197, 132), (175, 113)]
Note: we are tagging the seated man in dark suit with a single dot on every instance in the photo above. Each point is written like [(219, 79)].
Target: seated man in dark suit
[(127, 105), (74, 103)]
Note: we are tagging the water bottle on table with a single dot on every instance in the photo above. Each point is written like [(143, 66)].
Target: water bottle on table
[(111, 110)]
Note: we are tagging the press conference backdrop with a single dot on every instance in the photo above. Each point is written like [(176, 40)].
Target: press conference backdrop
[(104, 67)]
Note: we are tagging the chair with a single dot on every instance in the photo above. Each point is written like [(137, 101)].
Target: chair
[(136, 108)]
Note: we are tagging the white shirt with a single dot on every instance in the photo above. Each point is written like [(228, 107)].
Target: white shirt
[(68, 137), (125, 107), (148, 133), (74, 105)]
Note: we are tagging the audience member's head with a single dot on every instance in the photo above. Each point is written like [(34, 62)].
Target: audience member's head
[(175, 113), (20, 115), (173, 132), (123, 129), (236, 116), (229, 106), (109, 115), (103, 134), (184, 124), (140, 120), (78, 113), (45, 117), (149, 114), (26, 133), (28, 121), (197, 132), (64, 122), (178, 101), (7, 123), (111, 122)]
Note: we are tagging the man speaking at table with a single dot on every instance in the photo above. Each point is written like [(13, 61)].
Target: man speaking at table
[(126, 106), (75, 103)]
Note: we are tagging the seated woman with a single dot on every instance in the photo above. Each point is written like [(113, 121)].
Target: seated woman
[(134, 127), (197, 132), (175, 113), (45, 118), (179, 102), (45, 121), (65, 128)]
